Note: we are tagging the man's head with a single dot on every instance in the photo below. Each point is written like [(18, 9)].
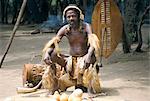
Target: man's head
[(72, 13)]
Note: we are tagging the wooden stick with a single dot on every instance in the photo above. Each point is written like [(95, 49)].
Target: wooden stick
[(14, 30)]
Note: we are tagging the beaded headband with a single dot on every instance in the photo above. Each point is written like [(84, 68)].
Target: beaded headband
[(72, 7)]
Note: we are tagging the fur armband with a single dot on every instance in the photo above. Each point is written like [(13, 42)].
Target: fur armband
[(93, 41), (54, 41)]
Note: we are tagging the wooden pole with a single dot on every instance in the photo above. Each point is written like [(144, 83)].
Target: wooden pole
[(14, 30)]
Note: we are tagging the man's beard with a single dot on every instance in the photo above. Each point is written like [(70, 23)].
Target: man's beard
[(73, 23)]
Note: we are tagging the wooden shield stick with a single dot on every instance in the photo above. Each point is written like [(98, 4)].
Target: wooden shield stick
[(14, 30)]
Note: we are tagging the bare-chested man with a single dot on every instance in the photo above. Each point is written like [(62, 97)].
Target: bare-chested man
[(82, 49)]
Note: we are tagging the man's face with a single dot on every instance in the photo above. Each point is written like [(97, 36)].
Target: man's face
[(71, 17)]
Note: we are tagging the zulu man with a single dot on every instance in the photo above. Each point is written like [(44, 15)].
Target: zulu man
[(84, 49)]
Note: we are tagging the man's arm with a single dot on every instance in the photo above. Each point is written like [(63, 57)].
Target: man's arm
[(53, 44), (91, 49)]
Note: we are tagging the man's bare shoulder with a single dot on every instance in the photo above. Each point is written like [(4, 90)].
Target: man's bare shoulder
[(86, 24), (62, 30), (87, 27)]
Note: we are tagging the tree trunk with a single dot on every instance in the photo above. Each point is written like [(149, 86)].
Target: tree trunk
[(129, 22), (140, 41), (6, 11), (2, 10), (125, 42)]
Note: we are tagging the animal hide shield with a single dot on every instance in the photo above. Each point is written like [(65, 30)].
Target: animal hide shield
[(107, 25)]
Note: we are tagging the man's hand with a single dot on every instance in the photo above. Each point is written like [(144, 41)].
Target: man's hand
[(48, 61), (47, 58), (88, 57), (86, 65), (87, 62)]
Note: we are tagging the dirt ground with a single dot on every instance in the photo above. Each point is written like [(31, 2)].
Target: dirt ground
[(124, 77)]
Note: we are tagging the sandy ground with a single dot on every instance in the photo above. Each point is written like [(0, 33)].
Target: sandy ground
[(124, 77)]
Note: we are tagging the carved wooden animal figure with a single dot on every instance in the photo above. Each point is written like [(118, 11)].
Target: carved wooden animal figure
[(41, 75), (32, 74)]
